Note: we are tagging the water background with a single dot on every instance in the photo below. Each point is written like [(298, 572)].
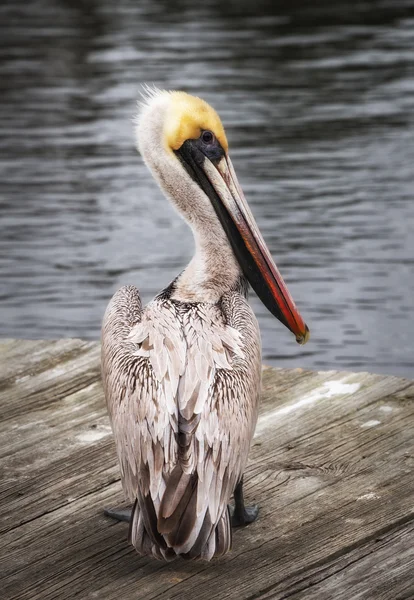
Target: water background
[(318, 103)]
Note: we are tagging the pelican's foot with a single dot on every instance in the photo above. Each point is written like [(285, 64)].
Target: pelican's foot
[(244, 517), (119, 514)]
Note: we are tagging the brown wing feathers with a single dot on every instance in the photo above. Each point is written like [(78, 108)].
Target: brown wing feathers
[(182, 371)]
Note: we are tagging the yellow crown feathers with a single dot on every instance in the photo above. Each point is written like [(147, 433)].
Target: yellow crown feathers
[(187, 117)]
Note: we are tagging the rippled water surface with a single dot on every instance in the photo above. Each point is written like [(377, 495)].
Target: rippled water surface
[(318, 102)]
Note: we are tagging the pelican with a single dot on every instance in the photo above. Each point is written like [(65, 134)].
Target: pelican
[(182, 375)]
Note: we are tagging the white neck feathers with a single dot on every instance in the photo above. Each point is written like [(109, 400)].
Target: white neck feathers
[(213, 269)]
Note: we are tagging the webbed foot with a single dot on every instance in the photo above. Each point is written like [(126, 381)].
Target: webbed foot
[(248, 515), (119, 514), (242, 515)]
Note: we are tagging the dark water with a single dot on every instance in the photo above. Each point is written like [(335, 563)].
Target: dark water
[(318, 102)]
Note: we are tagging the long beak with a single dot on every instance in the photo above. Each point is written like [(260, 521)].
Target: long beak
[(219, 182)]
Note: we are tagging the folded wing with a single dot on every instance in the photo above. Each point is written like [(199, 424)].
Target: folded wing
[(181, 386)]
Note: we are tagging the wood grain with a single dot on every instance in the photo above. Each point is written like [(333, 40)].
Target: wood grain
[(331, 468)]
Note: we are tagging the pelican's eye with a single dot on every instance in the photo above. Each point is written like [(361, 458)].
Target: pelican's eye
[(207, 137)]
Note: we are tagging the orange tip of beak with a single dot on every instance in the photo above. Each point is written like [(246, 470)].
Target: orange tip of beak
[(302, 339)]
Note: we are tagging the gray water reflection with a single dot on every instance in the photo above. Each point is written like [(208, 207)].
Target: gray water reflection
[(318, 102)]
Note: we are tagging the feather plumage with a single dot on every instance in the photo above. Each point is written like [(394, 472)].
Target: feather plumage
[(181, 383)]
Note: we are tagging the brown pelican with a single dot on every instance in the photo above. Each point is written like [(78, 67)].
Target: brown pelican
[(182, 375)]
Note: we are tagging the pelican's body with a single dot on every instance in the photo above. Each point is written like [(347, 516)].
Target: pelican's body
[(182, 375)]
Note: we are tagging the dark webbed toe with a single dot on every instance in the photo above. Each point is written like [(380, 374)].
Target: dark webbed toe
[(244, 517), (119, 514)]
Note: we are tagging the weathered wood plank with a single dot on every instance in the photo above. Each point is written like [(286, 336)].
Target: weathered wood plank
[(387, 558), (331, 467), (59, 369)]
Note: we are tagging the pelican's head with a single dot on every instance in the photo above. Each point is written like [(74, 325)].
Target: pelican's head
[(192, 137)]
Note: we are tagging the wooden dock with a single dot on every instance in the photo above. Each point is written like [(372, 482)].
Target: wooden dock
[(331, 468)]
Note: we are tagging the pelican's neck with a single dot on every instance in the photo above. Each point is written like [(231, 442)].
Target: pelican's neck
[(213, 270)]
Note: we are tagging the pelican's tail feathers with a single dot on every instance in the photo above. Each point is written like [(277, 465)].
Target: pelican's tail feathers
[(181, 528), (143, 534)]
